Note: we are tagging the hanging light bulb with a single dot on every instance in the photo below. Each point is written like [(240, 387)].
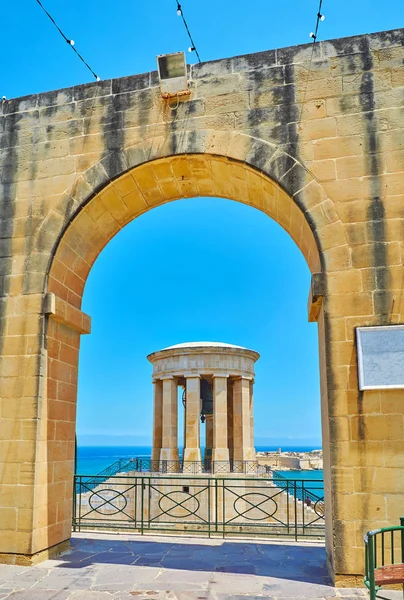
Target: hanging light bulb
[(98, 78), (71, 42), (321, 17), (191, 49), (312, 35), (179, 11)]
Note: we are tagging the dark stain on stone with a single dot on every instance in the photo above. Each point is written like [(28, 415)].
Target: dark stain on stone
[(361, 419), (113, 131), (376, 212), (7, 212), (260, 154), (30, 272), (131, 83), (286, 96)]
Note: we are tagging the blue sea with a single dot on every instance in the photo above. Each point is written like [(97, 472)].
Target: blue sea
[(93, 459), (311, 481)]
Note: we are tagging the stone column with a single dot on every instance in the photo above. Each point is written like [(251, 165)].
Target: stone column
[(230, 386), (252, 415), (192, 450), (157, 421), (220, 453), (243, 450), (209, 437), (169, 447)]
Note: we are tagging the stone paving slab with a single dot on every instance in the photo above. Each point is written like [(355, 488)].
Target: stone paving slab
[(129, 567)]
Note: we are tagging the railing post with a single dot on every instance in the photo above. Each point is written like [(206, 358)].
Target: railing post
[(295, 505), (402, 538), (74, 502), (216, 507), (224, 507), (209, 515), (141, 506), (80, 487), (371, 566)]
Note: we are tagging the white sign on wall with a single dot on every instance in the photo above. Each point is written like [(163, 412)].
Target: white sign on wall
[(380, 357)]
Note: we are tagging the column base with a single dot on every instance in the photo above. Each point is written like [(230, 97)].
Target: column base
[(155, 459), (169, 454), (169, 460), (220, 460), (192, 455), (244, 460), (244, 454), (28, 560)]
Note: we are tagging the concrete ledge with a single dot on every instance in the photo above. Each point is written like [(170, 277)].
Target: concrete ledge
[(29, 560), (65, 313)]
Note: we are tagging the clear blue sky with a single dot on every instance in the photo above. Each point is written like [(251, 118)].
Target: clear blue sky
[(200, 269)]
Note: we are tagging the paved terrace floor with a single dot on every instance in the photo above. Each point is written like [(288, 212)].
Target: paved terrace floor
[(125, 567)]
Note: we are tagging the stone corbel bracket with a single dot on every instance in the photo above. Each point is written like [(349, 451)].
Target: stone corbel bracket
[(316, 296), (65, 313)]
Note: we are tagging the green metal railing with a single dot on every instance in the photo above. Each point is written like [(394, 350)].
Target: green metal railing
[(146, 465), (382, 548), (198, 504), (123, 465), (304, 490)]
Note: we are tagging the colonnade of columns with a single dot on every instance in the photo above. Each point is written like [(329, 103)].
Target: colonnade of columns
[(229, 430)]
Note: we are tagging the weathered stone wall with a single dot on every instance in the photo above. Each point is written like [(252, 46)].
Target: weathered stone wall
[(318, 145)]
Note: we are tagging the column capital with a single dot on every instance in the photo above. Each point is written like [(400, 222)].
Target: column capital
[(224, 375), (241, 377), (192, 375), (163, 377)]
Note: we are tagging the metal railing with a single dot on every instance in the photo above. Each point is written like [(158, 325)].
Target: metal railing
[(248, 467), (309, 491), (384, 557), (197, 505), (122, 465)]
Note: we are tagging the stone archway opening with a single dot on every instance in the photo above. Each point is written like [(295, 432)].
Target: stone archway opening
[(101, 218)]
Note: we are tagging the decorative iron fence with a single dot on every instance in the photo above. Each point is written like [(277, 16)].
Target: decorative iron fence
[(199, 505), (248, 467), (137, 466), (310, 491)]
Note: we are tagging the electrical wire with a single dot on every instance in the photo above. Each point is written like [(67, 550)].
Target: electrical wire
[(70, 42), (192, 48), (320, 17)]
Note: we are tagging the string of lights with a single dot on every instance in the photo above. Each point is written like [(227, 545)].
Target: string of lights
[(69, 41), (192, 48), (320, 17)]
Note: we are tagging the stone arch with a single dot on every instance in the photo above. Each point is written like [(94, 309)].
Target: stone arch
[(291, 196), (230, 165)]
